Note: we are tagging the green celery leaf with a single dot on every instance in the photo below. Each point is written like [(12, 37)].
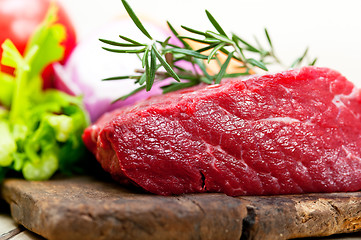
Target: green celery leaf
[(63, 126), (37, 124), (7, 84), (47, 38), (4, 113), (12, 57), (42, 138), (73, 156), (19, 160), (7, 144), (43, 169)]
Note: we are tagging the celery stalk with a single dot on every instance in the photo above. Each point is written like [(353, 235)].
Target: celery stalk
[(36, 126)]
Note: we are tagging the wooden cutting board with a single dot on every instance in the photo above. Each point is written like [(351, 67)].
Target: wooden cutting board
[(88, 208)]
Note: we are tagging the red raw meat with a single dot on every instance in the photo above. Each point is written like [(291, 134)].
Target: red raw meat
[(291, 132)]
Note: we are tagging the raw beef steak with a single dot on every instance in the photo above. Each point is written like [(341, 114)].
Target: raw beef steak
[(291, 132)]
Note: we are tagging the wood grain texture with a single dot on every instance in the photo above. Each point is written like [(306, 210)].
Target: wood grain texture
[(298, 216), (86, 208)]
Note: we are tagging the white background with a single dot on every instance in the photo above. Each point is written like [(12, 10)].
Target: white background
[(330, 28)]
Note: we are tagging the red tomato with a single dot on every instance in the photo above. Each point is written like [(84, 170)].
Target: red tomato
[(18, 20)]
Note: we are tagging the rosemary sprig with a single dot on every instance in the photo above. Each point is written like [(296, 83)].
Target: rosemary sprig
[(157, 55)]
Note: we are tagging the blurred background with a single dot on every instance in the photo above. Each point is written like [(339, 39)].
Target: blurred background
[(330, 28)]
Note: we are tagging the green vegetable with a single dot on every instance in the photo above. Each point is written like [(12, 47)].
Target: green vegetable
[(40, 130), (7, 144)]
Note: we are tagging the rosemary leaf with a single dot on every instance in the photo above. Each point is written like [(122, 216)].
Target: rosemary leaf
[(148, 84), (206, 40), (113, 43), (145, 57), (135, 19), (248, 45), (181, 69), (215, 24), (185, 44), (256, 63), (239, 50), (268, 38), (187, 52), (219, 37), (215, 50), (259, 45), (168, 44), (117, 78), (202, 66), (313, 62), (166, 65), (142, 79), (300, 59), (153, 68), (165, 43), (125, 51), (130, 40), (207, 47), (219, 62), (177, 86), (205, 80), (190, 77), (194, 31), (223, 69)]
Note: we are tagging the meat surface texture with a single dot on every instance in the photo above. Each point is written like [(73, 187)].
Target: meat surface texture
[(295, 131)]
